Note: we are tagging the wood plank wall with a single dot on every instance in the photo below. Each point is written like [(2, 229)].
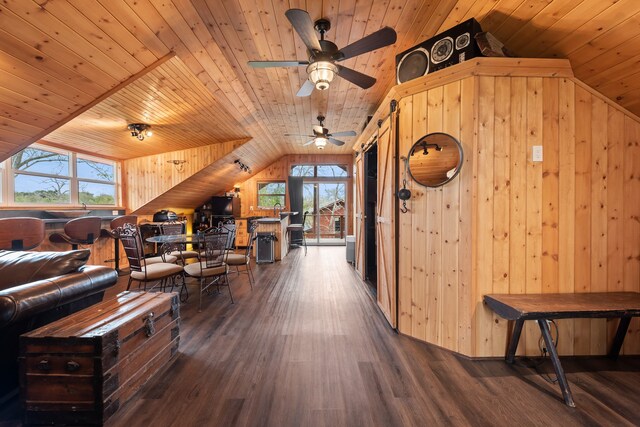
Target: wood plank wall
[(279, 171), (509, 225), (434, 258), (148, 177)]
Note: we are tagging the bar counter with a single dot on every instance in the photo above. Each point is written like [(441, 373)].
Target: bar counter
[(278, 226)]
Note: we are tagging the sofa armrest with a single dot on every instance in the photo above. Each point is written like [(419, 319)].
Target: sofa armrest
[(24, 301)]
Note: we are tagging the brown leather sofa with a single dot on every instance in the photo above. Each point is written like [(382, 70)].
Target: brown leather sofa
[(37, 288)]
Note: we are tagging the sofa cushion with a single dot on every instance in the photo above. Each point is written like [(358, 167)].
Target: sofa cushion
[(21, 267)]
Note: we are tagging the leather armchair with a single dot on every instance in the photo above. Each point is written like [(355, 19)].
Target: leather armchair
[(37, 288)]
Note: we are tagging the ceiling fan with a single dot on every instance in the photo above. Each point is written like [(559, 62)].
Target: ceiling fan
[(321, 135), (324, 55)]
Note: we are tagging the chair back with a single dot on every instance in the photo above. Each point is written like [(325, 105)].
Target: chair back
[(85, 230), (129, 235), (230, 228), (122, 220), (21, 234), (172, 228), (253, 235), (214, 249), (304, 220)]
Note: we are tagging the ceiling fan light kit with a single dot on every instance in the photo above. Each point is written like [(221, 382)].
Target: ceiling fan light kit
[(140, 130), (320, 142), (321, 74)]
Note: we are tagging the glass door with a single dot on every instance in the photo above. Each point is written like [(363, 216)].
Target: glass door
[(326, 204)]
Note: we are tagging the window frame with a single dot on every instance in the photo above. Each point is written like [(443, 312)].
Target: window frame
[(8, 180), (273, 181), (115, 182), (315, 171)]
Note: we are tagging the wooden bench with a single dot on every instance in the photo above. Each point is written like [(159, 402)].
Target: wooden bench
[(544, 307)]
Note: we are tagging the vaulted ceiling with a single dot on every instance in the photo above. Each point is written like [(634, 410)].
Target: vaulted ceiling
[(65, 59), (183, 112)]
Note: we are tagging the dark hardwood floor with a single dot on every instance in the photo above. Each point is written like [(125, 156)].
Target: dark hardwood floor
[(309, 347)]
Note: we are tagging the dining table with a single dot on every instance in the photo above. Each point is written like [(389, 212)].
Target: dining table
[(175, 239)]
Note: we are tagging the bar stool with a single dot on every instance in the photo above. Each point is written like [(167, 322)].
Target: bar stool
[(297, 227), (114, 224), (21, 233), (79, 231)]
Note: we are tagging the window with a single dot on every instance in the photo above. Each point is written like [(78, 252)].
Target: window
[(270, 193), (96, 182), (331, 171), (323, 171), (303, 170), (43, 176)]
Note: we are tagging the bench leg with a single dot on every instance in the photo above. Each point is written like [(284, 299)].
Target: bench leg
[(619, 338), (553, 353), (513, 343)]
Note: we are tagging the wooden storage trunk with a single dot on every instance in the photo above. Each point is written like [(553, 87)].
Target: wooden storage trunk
[(82, 368)]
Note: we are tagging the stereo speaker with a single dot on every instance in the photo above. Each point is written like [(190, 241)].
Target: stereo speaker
[(448, 48)]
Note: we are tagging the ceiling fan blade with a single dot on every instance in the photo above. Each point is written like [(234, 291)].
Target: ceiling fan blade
[(381, 38), (336, 141), (306, 89), (267, 64), (308, 143), (299, 134), (345, 133), (356, 77), (303, 25)]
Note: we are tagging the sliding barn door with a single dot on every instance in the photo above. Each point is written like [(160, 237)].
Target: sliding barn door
[(359, 215), (385, 222)]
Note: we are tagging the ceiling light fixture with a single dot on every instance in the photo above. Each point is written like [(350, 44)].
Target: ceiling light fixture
[(321, 74), (320, 142), (140, 130)]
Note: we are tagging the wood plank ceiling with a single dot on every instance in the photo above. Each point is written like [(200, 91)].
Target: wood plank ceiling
[(57, 57), (183, 112)]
